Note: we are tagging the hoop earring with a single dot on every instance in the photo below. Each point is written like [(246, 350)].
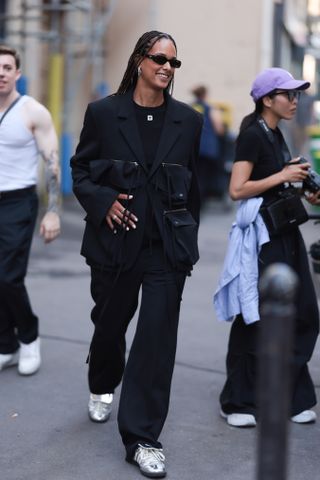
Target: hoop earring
[(139, 71)]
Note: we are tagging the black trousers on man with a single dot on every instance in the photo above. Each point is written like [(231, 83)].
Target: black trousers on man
[(147, 375), (18, 213)]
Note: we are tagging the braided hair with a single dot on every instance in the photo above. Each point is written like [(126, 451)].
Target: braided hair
[(143, 46)]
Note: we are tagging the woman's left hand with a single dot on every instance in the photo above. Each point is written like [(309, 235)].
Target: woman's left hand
[(313, 198)]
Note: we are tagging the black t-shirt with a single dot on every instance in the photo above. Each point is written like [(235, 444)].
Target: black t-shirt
[(150, 122), (268, 158)]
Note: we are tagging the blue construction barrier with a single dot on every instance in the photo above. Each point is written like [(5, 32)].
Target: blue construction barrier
[(66, 153), (22, 85), (101, 90)]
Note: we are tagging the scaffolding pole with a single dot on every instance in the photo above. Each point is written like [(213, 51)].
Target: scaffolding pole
[(63, 40)]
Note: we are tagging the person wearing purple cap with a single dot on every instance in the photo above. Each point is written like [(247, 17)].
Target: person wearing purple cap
[(275, 80), (263, 167)]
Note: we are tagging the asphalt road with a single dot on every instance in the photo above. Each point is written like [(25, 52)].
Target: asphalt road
[(45, 433)]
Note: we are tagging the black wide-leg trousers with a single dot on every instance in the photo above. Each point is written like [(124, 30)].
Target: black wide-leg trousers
[(239, 392), (18, 213), (147, 375)]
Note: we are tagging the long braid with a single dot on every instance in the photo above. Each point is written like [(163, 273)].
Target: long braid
[(144, 44)]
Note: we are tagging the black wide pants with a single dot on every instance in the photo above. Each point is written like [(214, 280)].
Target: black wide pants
[(18, 213), (239, 392), (147, 375)]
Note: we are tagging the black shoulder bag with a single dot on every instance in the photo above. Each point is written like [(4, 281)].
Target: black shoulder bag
[(286, 211)]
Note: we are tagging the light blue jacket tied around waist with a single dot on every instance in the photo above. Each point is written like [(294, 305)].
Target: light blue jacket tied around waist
[(237, 290)]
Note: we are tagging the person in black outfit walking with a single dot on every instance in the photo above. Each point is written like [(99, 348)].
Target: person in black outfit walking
[(262, 168), (134, 174)]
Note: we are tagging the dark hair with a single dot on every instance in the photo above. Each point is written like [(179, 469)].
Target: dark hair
[(199, 92), (143, 45), (6, 50), (252, 117)]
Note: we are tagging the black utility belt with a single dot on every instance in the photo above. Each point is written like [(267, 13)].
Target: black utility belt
[(284, 213), (20, 192)]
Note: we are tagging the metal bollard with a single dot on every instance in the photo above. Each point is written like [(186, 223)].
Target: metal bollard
[(278, 286)]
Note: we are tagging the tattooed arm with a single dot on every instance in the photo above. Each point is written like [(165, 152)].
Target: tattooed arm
[(47, 142), (51, 160)]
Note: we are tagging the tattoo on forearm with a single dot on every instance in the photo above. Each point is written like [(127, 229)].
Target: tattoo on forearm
[(52, 180)]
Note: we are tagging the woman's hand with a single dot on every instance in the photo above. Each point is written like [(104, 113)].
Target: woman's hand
[(295, 172), (242, 187), (313, 198), (119, 215)]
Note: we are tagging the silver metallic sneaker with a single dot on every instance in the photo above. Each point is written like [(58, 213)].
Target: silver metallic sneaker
[(150, 461), (99, 407)]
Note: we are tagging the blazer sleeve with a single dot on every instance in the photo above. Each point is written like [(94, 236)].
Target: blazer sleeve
[(94, 198), (194, 194)]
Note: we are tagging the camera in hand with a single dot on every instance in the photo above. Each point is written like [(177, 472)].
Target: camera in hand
[(312, 181)]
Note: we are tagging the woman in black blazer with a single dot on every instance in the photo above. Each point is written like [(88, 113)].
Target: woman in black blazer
[(134, 174)]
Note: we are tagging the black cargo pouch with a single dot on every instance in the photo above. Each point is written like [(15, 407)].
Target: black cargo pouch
[(181, 231), (284, 213), (121, 175), (173, 181)]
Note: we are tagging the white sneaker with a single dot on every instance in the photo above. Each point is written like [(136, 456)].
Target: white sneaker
[(307, 416), (239, 419), (8, 359), (100, 407), (30, 358), (150, 460)]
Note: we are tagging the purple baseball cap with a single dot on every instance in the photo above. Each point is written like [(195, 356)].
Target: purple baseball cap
[(274, 78)]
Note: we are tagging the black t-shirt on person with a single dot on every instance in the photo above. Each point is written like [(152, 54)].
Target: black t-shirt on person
[(150, 122), (254, 146)]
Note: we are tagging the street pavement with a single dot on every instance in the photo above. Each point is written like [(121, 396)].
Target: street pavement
[(45, 433)]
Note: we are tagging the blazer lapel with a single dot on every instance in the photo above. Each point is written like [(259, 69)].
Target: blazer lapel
[(129, 128), (171, 131)]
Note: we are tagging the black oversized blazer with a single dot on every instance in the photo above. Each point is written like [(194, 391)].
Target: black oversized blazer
[(110, 160)]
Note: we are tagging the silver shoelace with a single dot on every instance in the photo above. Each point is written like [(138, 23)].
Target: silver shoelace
[(148, 456)]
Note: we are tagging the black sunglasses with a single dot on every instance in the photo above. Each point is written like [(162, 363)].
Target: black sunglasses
[(162, 59), (291, 94)]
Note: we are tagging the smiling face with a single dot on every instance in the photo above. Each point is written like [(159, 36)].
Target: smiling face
[(9, 74), (156, 76)]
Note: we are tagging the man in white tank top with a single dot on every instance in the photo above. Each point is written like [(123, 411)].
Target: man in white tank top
[(26, 131)]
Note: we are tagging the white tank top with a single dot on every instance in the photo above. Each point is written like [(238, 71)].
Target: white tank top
[(18, 151)]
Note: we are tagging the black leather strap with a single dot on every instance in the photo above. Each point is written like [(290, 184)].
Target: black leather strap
[(286, 156)]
